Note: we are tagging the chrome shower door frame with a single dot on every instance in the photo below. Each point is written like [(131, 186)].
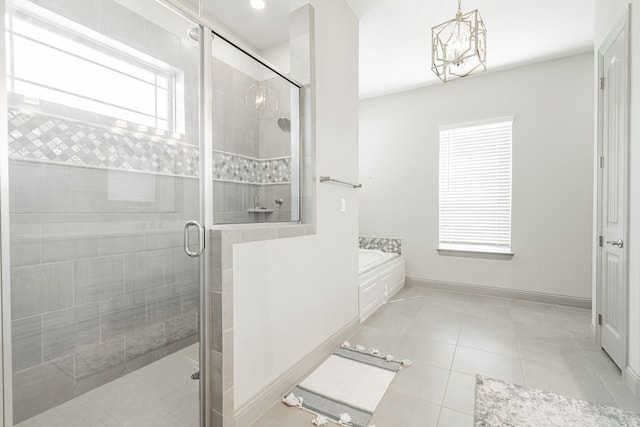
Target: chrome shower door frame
[(5, 263)]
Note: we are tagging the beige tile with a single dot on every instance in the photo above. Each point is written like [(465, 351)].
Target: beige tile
[(488, 341), (471, 361), (574, 381), (399, 409), (488, 307), (452, 301), (449, 418), (489, 326), (280, 415), (409, 307), (460, 393), (413, 292), (426, 328), (372, 337), (389, 320), (435, 313), (612, 379), (422, 380), (432, 353), (564, 353)]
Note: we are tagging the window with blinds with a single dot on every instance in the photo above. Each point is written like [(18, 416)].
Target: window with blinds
[(475, 187)]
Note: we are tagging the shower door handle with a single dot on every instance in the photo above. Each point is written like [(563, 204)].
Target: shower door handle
[(200, 229)]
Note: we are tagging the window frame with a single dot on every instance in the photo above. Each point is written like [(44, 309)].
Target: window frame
[(475, 249), (98, 44)]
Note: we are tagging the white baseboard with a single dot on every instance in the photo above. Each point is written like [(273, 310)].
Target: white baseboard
[(502, 292), (632, 379), (265, 399)]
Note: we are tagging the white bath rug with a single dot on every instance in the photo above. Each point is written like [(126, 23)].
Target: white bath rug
[(347, 387), (354, 383)]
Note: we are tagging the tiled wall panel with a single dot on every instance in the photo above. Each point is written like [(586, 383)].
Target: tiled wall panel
[(95, 294)]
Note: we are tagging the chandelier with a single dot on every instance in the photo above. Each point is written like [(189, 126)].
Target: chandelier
[(459, 46)]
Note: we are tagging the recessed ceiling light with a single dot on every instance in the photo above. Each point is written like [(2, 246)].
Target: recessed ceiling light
[(257, 4)]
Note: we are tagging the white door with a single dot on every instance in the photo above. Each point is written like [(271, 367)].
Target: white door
[(613, 163)]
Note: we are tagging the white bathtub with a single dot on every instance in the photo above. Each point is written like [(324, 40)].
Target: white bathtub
[(369, 258), (381, 275)]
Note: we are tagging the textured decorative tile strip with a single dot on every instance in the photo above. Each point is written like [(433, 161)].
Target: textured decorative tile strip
[(229, 167), (383, 244), (50, 139)]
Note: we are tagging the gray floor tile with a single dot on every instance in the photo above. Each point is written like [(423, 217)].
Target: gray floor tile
[(438, 314), (562, 353), (420, 379), (460, 394), (427, 328), (452, 301), (574, 381), (432, 353), (369, 336), (450, 418), (402, 307), (613, 380), (387, 319), (488, 341), (471, 361), (415, 412), (280, 415)]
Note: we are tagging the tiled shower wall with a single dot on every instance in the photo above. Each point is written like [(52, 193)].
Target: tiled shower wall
[(99, 287), (100, 283), (253, 163)]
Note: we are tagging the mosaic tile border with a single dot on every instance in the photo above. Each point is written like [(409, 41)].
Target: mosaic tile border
[(48, 139), (233, 168), (44, 138), (383, 244)]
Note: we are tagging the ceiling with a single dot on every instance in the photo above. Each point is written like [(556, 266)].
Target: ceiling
[(395, 35)]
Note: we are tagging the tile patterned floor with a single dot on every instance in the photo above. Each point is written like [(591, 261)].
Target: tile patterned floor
[(161, 394), (452, 336)]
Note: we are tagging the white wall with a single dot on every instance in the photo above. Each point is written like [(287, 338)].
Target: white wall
[(552, 174), (278, 56), (608, 15), (291, 295)]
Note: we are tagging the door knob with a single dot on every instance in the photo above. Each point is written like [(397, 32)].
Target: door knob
[(619, 243)]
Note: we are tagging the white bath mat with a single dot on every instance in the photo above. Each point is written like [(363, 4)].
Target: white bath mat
[(347, 387), (354, 383)]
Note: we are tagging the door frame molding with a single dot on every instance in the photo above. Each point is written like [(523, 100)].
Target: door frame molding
[(622, 26)]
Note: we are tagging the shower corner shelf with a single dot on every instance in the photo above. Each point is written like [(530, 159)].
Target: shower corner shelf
[(259, 210)]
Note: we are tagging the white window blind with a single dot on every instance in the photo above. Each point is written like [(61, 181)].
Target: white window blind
[(475, 187)]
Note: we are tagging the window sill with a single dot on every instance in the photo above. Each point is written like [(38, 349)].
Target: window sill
[(466, 253)]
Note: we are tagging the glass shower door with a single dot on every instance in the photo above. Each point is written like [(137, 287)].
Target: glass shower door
[(103, 163)]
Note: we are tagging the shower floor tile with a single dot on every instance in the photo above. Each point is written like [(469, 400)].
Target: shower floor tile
[(161, 394)]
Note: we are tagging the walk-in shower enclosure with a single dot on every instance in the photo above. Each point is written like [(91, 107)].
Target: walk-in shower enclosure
[(255, 140), (122, 124)]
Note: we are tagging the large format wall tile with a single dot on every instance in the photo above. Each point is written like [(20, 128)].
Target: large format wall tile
[(121, 315), (96, 359), (143, 341), (41, 288), (99, 278), (42, 387), (26, 342), (65, 331)]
